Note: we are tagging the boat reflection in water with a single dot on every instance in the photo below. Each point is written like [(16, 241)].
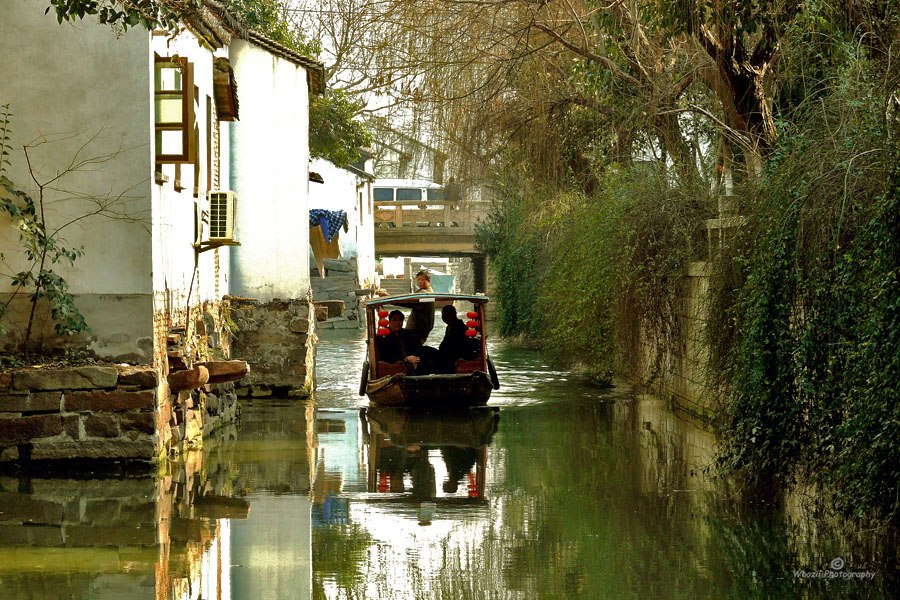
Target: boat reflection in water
[(409, 451)]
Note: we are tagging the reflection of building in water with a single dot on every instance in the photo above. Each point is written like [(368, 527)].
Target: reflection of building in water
[(674, 456), (187, 534), (271, 551), (132, 537), (339, 466), (675, 451)]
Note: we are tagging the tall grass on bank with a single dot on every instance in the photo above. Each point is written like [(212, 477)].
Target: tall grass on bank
[(595, 281)]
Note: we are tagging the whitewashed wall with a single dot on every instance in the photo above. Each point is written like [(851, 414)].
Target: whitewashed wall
[(79, 84), (269, 172), (365, 236), (345, 190), (173, 210)]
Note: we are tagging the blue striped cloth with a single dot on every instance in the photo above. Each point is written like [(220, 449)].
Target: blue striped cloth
[(329, 220)]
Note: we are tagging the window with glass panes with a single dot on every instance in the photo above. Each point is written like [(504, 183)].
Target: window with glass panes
[(173, 110)]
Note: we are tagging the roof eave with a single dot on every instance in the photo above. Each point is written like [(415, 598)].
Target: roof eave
[(315, 71)]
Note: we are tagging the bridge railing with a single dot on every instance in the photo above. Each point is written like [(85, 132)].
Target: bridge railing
[(399, 214)]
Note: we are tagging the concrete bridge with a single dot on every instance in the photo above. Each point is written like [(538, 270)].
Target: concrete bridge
[(444, 229), (433, 229)]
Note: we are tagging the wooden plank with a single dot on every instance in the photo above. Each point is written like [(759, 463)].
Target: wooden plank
[(317, 242)]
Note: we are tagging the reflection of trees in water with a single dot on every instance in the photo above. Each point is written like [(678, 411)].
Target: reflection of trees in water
[(339, 553), (755, 549), (601, 500)]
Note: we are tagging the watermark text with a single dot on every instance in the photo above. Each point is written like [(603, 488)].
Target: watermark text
[(835, 571)]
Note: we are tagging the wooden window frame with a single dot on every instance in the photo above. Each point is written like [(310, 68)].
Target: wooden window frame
[(209, 140), (188, 154)]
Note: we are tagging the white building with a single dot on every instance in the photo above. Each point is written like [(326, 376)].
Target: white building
[(270, 158), (101, 99), (148, 122), (349, 189)]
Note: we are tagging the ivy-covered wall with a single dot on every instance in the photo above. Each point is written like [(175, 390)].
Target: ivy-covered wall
[(783, 332)]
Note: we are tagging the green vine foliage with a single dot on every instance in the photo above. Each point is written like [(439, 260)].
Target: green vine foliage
[(592, 278), (578, 301), (515, 249), (809, 297)]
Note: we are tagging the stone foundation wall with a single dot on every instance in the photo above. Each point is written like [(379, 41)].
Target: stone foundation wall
[(190, 416), (682, 379), (103, 412), (181, 340), (278, 339), (81, 412)]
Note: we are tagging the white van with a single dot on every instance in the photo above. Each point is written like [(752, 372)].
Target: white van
[(408, 203), (414, 191)]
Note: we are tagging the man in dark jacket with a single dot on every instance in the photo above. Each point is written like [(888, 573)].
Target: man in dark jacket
[(455, 344), (399, 345), (421, 319)]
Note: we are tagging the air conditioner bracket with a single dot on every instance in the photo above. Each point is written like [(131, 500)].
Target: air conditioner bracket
[(204, 246)]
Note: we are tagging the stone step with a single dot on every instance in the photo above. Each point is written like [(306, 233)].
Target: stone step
[(345, 293), (396, 286), (339, 323), (348, 285), (332, 282), (332, 265)]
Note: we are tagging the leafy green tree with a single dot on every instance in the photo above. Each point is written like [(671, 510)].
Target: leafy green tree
[(273, 19), (334, 133), (150, 14)]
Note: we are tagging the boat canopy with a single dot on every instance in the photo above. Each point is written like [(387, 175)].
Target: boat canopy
[(416, 299)]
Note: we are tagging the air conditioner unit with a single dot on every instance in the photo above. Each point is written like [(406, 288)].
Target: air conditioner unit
[(222, 215)]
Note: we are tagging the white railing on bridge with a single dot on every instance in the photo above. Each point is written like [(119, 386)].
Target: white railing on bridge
[(399, 214)]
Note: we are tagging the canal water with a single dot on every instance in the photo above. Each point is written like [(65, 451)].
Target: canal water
[(555, 490)]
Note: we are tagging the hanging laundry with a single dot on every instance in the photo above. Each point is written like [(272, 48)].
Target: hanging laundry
[(331, 221)]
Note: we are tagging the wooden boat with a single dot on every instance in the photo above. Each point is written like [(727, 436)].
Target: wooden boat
[(391, 384)]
